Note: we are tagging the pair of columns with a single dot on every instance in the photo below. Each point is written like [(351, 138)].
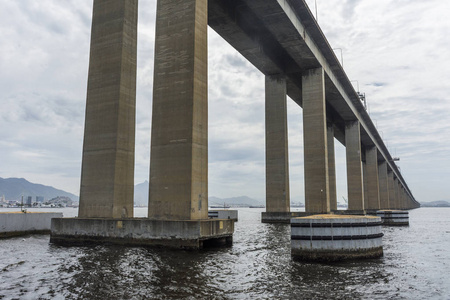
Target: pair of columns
[(179, 146)]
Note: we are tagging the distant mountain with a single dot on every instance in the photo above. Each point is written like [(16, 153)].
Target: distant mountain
[(440, 203), (141, 194), (14, 188)]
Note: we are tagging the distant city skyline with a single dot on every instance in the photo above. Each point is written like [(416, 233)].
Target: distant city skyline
[(396, 52)]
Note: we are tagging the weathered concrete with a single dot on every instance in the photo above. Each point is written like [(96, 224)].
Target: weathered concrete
[(317, 198), (223, 214), (282, 217), (332, 237), (391, 187), (394, 217), (373, 196), (277, 162), (354, 167), (331, 167), (383, 185), (107, 177), (190, 234), (19, 223), (179, 146)]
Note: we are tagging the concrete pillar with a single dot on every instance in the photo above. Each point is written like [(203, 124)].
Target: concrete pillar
[(277, 164), (391, 187), (179, 143), (331, 167), (383, 185), (317, 198), (354, 168), (365, 184), (397, 194), (373, 197), (107, 176)]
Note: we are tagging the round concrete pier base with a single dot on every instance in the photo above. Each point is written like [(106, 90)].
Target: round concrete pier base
[(336, 237), (394, 217)]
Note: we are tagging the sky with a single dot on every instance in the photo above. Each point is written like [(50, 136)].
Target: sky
[(396, 52)]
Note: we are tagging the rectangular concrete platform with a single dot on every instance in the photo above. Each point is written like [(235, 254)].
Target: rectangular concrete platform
[(282, 217), (223, 214), (191, 234), (21, 223)]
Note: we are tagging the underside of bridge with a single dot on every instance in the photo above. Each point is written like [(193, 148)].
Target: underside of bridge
[(280, 38)]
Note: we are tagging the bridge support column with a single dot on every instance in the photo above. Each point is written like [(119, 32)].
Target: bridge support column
[(317, 199), (354, 167), (179, 143), (107, 176), (397, 194), (277, 162), (373, 198), (383, 185), (391, 187), (331, 167)]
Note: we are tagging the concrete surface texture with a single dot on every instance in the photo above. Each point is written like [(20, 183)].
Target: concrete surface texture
[(277, 163), (141, 231), (179, 142), (107, 178), (383, 185), (14, 224), (317, 198), (373, 196)]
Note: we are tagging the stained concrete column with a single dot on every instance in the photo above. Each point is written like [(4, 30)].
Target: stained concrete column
[(365, 183), (107, 176), (331, 167), (354, 168), (179, 143), (277, 164), (315, 141), (373, 198), (383, 185), (391, 187)]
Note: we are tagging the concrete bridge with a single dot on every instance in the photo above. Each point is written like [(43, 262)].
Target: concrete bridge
[(279, 37)]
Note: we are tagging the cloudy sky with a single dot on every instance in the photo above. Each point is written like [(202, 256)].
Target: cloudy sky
[(396, 51)]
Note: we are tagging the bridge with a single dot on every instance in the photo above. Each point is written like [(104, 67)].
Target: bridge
[(281, 39)]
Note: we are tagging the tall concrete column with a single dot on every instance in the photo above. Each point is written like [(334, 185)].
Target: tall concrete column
[(383, 185), (277, 164), (391, 187), (373, 197), (397, 194), (107, 176), (331, 166), (317, 199), (354, 167), (365, 183), (179, 143)]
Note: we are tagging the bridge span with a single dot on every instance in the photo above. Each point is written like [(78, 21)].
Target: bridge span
[(280, 38)]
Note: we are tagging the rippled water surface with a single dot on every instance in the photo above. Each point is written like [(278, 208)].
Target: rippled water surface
[(416, 265)]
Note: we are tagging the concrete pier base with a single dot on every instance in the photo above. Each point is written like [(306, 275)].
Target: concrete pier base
[(282, 217), (20, 223), (188, 234), (223, 214), (394, 217), (333, 237)]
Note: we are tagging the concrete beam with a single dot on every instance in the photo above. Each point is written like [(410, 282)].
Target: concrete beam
[(373, 198), (179, 146), (317, 199), (107, 176), (354, 166), (277, 162)]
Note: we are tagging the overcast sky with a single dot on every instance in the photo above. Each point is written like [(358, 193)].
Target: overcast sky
[(398, 51)]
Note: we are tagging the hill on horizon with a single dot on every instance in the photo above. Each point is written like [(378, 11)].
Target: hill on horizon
[(15, 188)]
